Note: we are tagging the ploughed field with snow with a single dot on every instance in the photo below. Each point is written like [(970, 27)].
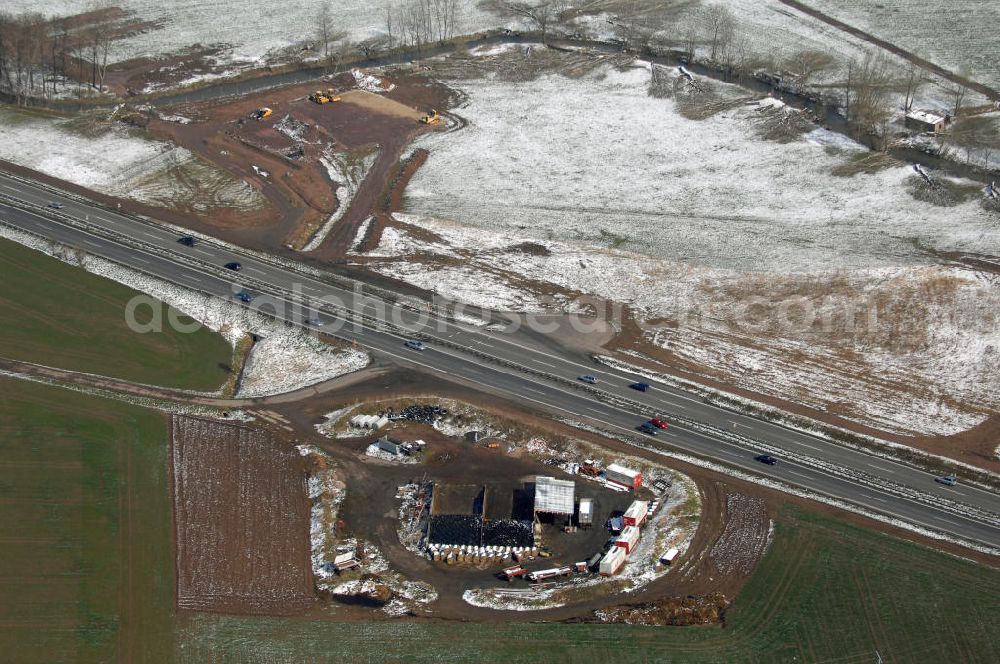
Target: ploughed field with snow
[(959, 36), (251, 31), (112, 160), (626, 168)]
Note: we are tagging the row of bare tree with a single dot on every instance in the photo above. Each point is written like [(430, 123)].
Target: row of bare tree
[(37, 53)]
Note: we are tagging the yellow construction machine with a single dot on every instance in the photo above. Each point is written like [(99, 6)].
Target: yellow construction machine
[(261, 113), (321, 97), (431, 118)]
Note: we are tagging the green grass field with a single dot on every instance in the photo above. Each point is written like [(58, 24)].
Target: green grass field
[(55, 314), (826, 592), (86, 566)]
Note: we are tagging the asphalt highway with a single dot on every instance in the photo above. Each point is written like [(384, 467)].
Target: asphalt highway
[(806, 461)]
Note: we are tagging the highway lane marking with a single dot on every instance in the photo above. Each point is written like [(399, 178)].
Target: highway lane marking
[(255, 270), (818, 449), (141, 260)]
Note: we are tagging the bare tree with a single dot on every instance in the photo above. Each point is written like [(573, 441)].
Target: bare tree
[(804, 65), (327, 37), (869, 87), (957, 92), (915, 79), (721, 27), (979, 138), (541, 14)]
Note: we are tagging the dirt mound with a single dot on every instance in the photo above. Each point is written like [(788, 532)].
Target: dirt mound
[(690, 610)]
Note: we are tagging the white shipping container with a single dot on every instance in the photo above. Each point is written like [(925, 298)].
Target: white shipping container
[(612, 561), (629, 539)]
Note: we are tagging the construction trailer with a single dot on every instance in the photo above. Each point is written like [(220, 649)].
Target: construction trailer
[(346, 561), (585, 513), (542, 575), (636, 513), (624, 476), (629, 539), (555, 497), (668, 557), (612, 561)]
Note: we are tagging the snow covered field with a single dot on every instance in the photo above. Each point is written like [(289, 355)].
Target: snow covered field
[(117, 163), (627, 169), (250, 29), (959, 36)]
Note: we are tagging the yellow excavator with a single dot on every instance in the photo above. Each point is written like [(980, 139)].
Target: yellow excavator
[(321, 97), (261, 113), (431, 118)]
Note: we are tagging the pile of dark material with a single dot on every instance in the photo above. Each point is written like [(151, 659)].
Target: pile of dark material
[(425, 414), (455, 529), (507, 533)]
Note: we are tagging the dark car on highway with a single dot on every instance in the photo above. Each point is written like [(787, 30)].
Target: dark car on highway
[(415, 344), (589, 379), (646, 427), (642, 387), (187, 241), (236, 267), (244, 296), (766, 458)]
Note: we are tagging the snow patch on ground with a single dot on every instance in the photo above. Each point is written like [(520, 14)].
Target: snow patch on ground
[(118, 163), (712, 192), (348, 172), (370, 82)]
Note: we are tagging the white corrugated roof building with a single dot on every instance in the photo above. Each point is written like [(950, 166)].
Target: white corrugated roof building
[(926, 116), (554, 496)]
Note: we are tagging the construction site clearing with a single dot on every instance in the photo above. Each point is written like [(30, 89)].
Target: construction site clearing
[(479, 509), (286, 143)]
